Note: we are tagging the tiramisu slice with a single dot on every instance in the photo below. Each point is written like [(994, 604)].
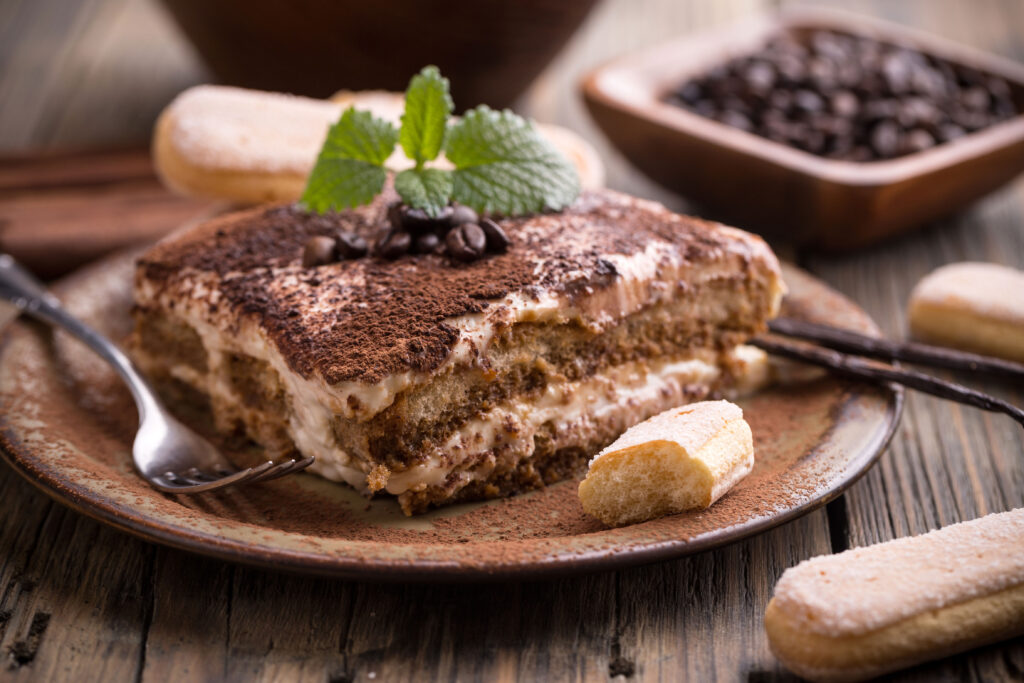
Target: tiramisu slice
[(440, 381)]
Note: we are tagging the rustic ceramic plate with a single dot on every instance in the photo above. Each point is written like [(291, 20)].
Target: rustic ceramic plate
[(67, 425)]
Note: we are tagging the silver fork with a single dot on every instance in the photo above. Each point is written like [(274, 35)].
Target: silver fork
[(169, 455)]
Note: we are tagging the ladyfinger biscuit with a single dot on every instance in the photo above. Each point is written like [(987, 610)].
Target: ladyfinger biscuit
[(974, 306), (241, 145), (250, 146), (872, 610), (683, 459)]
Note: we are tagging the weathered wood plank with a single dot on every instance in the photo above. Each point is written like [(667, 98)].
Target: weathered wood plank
[(701, 618), (285, 628), (553, 630), (119, 609), (74, 592), (187, 634)]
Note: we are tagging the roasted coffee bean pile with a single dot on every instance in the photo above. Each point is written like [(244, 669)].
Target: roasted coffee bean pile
[(846, 97), (458, 232)]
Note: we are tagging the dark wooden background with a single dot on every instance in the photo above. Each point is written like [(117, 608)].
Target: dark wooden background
[(81, 602)]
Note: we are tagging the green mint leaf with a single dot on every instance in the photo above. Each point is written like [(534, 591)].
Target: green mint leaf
[(428, 105), (427, 189), (350, 169), (503, 165)]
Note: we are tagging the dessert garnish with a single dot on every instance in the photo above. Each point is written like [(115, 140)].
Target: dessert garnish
[(848, 97), (496, 163)]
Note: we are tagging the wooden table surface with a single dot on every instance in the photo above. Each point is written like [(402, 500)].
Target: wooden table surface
[(79, 601)]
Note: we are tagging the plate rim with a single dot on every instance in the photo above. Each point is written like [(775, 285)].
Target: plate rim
[(154, 530)]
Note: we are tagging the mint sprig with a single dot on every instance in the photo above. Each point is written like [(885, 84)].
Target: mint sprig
[(501, 163)]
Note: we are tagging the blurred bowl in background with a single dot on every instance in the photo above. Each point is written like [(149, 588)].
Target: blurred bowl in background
[(770, 187), (490, 49)]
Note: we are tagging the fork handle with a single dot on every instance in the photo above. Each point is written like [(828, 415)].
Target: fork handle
[(31, 297)]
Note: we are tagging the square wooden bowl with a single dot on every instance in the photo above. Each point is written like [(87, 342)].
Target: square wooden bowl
[(766, 186)]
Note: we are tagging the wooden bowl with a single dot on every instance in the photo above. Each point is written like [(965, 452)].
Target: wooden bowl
[(490, 49), (762, 185)]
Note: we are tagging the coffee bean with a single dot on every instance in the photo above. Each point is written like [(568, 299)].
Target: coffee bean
[(318, 251), (896, 72), (462, 214), (760, 76), (969, 76), (917, 140), (844, 103), (824, 74), (997, 87), (497, 241), (825, 45), (885, 139), (915, 111), (427, 243), (735, 119), (970, 120), (808, 101), (791, 69), (416, 220), (950, 131), (780, 101), (849, 74), (883, 109), (1003, 107), (834, 126), (706, 108), (975, 98), (466, 242), (351, 246), (395, 216), (395, 243), (690, 93), (812, 141)]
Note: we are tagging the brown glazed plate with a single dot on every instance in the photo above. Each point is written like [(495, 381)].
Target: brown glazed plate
[(66, 424)]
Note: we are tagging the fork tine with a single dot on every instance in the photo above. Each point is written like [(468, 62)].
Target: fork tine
[(273, 471), (298, 466), (196, 476), (284, 468), (173, 482), (194, 480)]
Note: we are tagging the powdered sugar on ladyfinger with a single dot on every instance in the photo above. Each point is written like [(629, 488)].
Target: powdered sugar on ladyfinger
[(863, 589)]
